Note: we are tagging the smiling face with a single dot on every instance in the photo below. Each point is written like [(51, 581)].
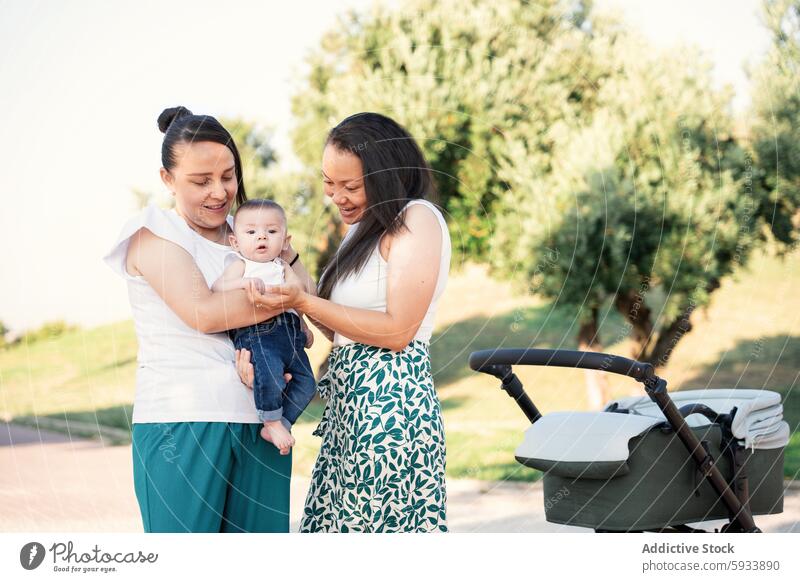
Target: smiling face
[(204, 183), (259, 233), (342, 174)]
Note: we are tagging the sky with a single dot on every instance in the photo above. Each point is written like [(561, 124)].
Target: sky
[(84, 81)]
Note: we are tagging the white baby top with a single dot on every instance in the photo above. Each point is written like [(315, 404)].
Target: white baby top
[(271, 272), (183, 375), (367, 288)]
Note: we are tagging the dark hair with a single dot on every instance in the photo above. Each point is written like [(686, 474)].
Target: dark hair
[(395, 171), (179, 125), (260, 203)]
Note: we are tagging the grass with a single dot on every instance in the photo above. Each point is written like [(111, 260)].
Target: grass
[(748, 337)]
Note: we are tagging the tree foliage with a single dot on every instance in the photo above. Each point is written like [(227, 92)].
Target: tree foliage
[(649, 194), (776, 126)]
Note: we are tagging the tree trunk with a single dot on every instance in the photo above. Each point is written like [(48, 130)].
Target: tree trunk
[(597, 391), (633, 308), (669, 338), (673, 333)]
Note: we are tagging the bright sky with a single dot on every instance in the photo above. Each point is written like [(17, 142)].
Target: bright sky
[(84, 81)]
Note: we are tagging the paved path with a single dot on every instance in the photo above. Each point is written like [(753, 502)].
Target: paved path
[(50, 483)]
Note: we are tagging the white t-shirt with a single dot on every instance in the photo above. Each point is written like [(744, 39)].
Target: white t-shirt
[(183, 375), (367, 288)]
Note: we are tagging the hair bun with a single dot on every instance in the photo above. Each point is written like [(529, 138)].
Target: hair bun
[(171, 114)]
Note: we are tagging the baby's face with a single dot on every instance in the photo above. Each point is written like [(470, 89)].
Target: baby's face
[(259, 234)]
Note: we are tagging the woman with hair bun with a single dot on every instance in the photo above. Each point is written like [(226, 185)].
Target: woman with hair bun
[(199, 464)]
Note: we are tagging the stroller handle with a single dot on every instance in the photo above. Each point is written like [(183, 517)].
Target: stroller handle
[(485, 360)]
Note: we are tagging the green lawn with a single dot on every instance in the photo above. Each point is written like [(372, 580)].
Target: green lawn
[(749, 337)]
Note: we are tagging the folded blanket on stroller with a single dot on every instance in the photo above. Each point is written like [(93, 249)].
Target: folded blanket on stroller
[(758, 421)]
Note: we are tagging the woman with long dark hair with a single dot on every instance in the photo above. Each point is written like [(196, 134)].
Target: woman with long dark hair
[(381, 466), (199, 464)]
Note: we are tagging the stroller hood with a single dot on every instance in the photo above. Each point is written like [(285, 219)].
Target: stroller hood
[(589, 445)]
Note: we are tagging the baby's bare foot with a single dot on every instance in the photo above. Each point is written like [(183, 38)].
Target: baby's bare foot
[(276, 433)]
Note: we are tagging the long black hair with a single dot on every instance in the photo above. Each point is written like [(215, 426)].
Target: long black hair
[(179, 125), (395, 171)]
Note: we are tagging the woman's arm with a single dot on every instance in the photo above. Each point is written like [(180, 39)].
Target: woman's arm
[(308, 284), (299, 269), (174, 276), (298, 274), (413, 271)]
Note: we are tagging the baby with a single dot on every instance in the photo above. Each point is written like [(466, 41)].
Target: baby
[(278, 344)]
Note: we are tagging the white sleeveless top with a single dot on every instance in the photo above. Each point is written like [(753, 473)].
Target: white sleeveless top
[(367, 288), (183, 375), (270, 272)]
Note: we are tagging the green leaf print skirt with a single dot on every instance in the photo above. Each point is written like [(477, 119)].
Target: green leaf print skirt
[(382, 461)]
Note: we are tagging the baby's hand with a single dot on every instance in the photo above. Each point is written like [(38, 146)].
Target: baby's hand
[(259, 283)]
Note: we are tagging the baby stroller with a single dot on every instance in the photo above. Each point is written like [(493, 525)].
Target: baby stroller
[(627, 468)]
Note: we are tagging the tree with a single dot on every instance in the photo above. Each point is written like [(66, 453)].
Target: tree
[(776, 126), (648, 194)]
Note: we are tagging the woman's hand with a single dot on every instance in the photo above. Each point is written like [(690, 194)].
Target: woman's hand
[(290, 294), (246, 371)]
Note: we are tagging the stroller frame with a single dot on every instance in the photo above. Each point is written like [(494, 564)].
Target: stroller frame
[(499, 362)]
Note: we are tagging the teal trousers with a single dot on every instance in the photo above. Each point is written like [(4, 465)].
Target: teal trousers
[(209, 477)]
